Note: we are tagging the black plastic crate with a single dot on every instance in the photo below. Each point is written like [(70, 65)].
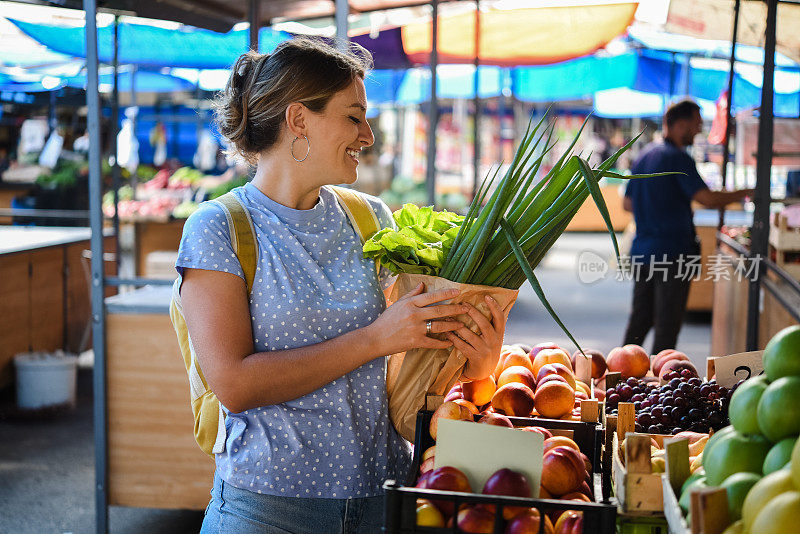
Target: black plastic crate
[(401, 514), (588, 436)]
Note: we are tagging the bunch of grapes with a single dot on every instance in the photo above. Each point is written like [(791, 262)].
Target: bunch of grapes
[(683, 403)]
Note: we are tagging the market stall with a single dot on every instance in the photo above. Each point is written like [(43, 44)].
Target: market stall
[(153, 459), (44, 291)]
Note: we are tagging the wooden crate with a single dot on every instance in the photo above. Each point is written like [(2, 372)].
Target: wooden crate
[(637, 488), (782, 236), (708, 507)]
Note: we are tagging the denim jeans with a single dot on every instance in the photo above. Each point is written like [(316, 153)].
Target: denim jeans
[(236, 511)]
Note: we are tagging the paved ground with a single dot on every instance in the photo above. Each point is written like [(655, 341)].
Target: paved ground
[(47, 465)]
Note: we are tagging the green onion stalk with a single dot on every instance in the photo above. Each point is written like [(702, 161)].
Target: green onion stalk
[(501, 240)]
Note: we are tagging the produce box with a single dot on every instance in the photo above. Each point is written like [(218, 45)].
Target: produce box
[(641, 525), (637, 488), (588, 436), (401, 501), (401, 509), (708, 507)]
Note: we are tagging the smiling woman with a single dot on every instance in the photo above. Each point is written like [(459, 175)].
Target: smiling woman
[(297, 357)]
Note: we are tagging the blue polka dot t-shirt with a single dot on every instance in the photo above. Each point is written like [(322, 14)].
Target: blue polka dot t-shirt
[(312, 284)]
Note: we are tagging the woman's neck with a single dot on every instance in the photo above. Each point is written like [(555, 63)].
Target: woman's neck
[(284, 183)]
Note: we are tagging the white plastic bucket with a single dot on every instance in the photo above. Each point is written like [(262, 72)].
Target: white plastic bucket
[(45, 379)]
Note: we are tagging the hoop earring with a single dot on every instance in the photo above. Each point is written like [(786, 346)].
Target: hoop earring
[(308, 150)]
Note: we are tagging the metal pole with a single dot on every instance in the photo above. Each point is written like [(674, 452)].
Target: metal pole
[(255, 22), (114, 131), (476, 141), (501, 111), (760, 229), (98, 305), (433, 110), (342, 28), (52, 120), (726, 143), (134, 119)]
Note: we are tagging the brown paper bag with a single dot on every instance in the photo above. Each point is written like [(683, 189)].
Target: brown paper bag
[(413, 375)]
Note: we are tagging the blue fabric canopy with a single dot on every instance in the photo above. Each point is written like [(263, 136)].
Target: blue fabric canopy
[(146, 81), (574, 79), (153, 46)]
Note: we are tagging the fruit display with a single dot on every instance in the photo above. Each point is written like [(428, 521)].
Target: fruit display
[(684, 403), (539, 382), (757, 458)]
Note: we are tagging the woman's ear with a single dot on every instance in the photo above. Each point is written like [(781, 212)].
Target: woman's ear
[(296, 115)]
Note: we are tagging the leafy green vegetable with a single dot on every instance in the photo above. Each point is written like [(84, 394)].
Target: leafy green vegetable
[(420, 243)]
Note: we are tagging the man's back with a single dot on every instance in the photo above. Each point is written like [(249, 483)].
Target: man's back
[(662, 205)]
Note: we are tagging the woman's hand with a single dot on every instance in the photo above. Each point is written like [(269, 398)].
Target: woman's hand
[(481, 350), (403, 325)]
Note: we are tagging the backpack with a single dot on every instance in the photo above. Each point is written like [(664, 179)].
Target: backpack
[(209, 417)]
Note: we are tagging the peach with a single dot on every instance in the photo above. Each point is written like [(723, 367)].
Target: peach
[(430, 452), (449, 410), (563, 470), (448, 478), (587, 463), (475, 519), (557, 441), (496, 419), (586, 490), (516, 359), (550, 356), (536, 349), (570, 522), (541, 430), (662, 357), (527, 522), (559, 369), (471, 407), (513, 399), (544, 494), (426, 465), (554, 399), (517, 373), (599, 394), (428, 515), (676, 365), (479, 392), (422, 481), (507, 350), (575, 496), (548, 378), (579, 396), (580, 386), (599, 366), (630, 360), (455, 393), (511, 483)]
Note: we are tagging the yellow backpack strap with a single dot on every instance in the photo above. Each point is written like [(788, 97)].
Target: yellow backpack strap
[(243, 237), (358, 210)]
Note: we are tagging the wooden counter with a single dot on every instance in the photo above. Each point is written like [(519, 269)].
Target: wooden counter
[(152, 236), (44, 297), (7, 193), (154, 461), (588, 218), (729, 318)]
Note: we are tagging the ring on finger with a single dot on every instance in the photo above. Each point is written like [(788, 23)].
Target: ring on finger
[(428, 327)]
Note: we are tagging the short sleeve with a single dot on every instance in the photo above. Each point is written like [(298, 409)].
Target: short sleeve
[(386, 220), (206, 242), (691, 182)]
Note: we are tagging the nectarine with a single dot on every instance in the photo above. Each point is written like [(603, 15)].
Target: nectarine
[(546, 356), (630, 360), (557, 368), (479, 392), (563, 470), (449, 410), (554, 399), (517, 373), (513, 399), (599, 366)]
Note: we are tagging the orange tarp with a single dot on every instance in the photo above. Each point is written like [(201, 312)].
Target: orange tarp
[(532, 36)]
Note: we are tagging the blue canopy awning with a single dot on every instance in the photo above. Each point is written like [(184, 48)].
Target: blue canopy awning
[(154, 46), (146, 81)]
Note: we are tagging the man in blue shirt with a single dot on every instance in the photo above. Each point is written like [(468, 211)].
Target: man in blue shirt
[(665, 235)]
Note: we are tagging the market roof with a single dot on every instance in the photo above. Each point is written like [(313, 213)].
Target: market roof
[(221, 15)]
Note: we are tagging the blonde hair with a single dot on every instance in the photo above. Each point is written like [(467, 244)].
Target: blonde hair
[(250, 111)]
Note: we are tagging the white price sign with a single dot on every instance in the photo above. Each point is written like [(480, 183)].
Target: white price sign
[(734, 367)]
